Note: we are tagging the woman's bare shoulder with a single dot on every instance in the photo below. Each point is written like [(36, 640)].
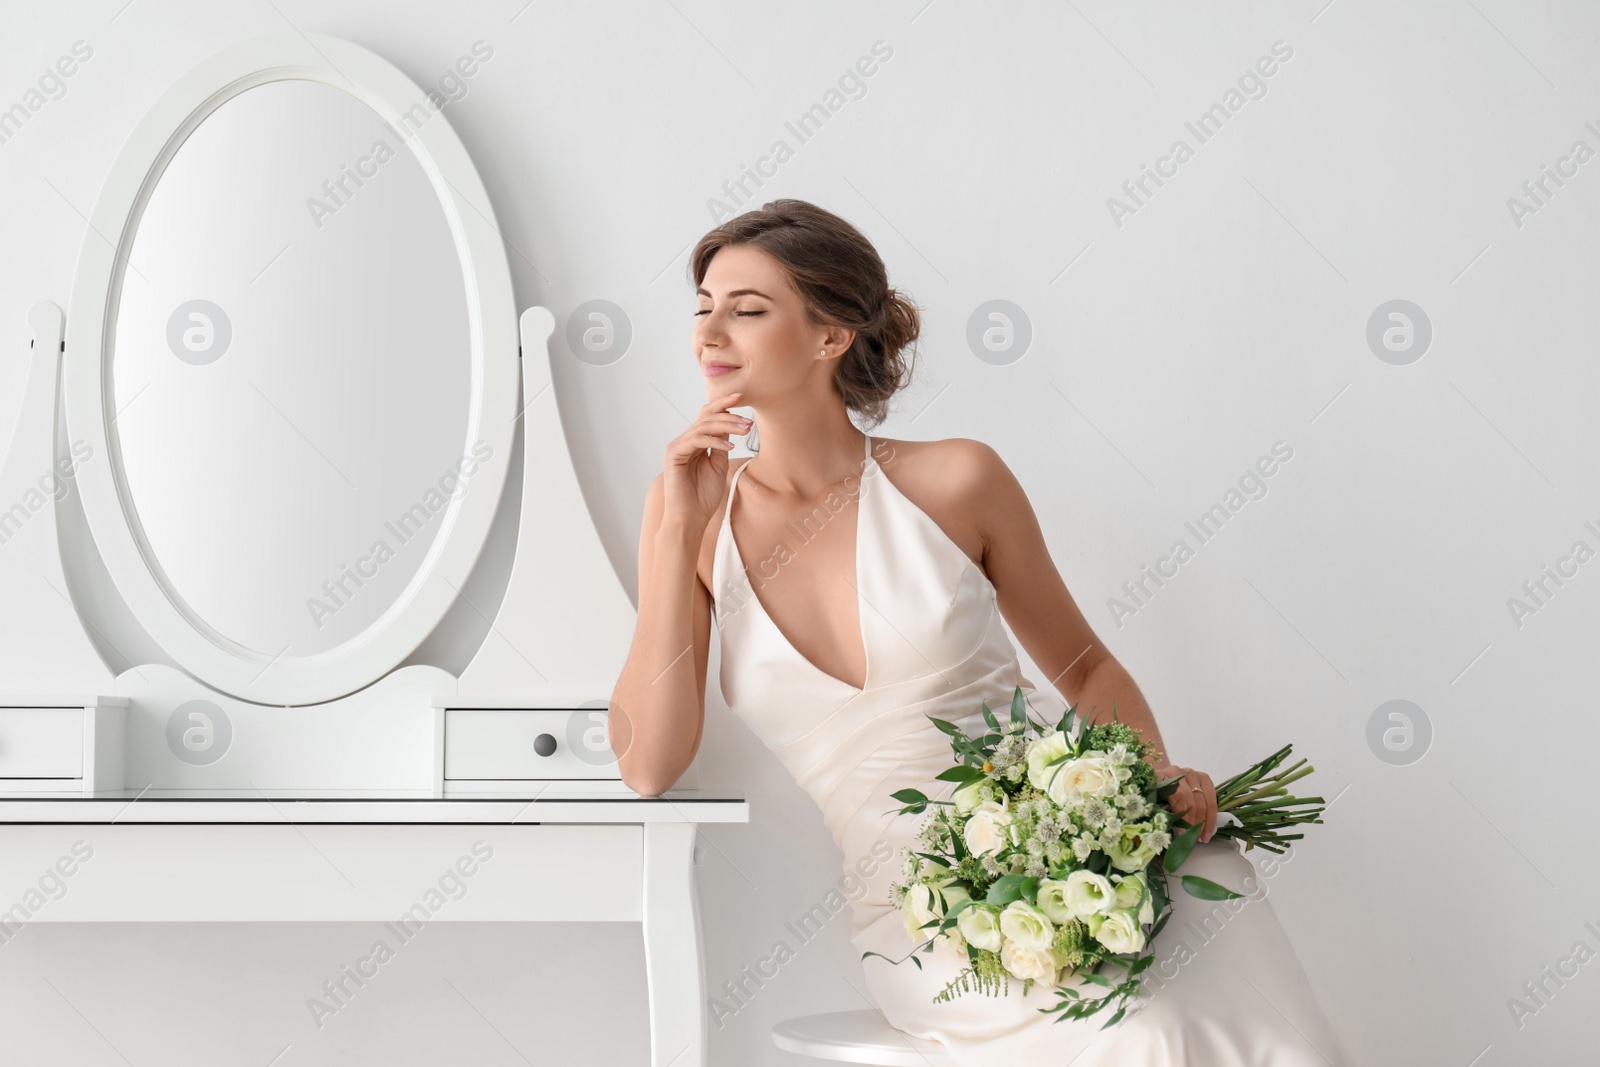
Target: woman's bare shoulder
[(946, 479), (959, 464)]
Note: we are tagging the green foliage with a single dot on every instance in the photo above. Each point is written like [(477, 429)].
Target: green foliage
[(1206, 889), (1108, 734), (986, 975), (1179, 850)]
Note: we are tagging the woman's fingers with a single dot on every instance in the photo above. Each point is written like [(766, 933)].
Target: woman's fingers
[(1195, 799)]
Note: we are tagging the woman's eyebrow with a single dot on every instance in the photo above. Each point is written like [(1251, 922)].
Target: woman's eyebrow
[(737, 292)]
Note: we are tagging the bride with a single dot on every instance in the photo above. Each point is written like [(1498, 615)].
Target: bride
[(856, 586)]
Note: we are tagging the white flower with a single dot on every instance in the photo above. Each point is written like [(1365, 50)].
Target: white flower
[(1026, 925), (1129, 889), (1133, 848), (1091, 775), (1053, 900), (1121, 932), (916, 909), (1051, 746), (1024, 963), (980, 926), (924, 903), (1083, 846), (969, 796), (1095, 811), (986, 830), (1088, 894)]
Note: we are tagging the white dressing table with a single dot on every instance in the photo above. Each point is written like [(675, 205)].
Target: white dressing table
[(403, 859), (289, 505)]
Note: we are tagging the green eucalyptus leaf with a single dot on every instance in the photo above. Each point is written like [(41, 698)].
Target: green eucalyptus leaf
[(1206, 889), (958, 907), (1179, 850), (1006, 888)]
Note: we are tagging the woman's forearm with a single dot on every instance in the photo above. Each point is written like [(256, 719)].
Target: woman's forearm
[(1109, 684), (657, 712)]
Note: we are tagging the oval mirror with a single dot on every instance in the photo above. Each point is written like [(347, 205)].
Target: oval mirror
[(305, 400), (290, 370)]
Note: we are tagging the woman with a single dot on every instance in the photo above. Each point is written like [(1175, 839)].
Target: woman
[(856, 583)]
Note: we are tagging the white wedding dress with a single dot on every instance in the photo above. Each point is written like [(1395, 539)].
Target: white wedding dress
[(1231, 991)]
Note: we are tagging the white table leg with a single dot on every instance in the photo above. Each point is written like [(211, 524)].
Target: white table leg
[(673, 965)]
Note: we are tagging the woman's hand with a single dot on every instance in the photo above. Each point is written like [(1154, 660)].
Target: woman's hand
[(692, 478), (1194, 800)]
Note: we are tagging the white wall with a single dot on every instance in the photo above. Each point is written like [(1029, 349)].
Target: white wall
[(1229, 312)]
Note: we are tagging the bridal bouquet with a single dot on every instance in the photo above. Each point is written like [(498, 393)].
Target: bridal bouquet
[(1051, 859)]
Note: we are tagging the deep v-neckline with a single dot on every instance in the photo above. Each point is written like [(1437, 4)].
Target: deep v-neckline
[(866, 652)]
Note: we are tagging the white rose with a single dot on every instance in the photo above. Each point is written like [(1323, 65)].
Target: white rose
[(924, 903), (1053, 900), (1121, 932), (1129, 889), (1093, 776), (1041, 752), (969, 796), (1040, 965), (1089, 894), (1026, 925), (980, 926), (917, 909), (986, 829)]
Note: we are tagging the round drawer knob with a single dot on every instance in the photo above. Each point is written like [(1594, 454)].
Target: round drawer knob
[(544, 744)]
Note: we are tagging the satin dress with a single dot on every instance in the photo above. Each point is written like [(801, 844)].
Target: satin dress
[(1226, 990)]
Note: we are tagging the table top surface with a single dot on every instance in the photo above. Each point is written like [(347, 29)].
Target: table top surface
[(535, 802)]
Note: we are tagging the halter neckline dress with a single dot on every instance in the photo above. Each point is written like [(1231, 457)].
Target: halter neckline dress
[(1226, 990)]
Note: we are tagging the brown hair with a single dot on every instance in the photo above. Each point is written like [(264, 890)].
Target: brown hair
[(842, 282)]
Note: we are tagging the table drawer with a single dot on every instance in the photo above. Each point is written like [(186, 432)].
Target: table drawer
[(41, 742), (512, 743)]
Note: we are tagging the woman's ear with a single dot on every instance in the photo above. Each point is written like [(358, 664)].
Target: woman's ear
[(838, 340)]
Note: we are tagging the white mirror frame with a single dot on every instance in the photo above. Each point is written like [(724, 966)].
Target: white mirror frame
[(91, 328)]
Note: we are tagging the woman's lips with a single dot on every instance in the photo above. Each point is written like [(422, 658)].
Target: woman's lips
[(712, 369)]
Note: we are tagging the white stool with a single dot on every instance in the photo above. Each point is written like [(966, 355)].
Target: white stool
[(857, 1037)]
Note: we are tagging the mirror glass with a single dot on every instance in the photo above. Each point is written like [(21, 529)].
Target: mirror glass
[(291, 370)]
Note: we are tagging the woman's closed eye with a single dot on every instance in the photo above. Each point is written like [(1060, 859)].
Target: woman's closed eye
[(707, 311)]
